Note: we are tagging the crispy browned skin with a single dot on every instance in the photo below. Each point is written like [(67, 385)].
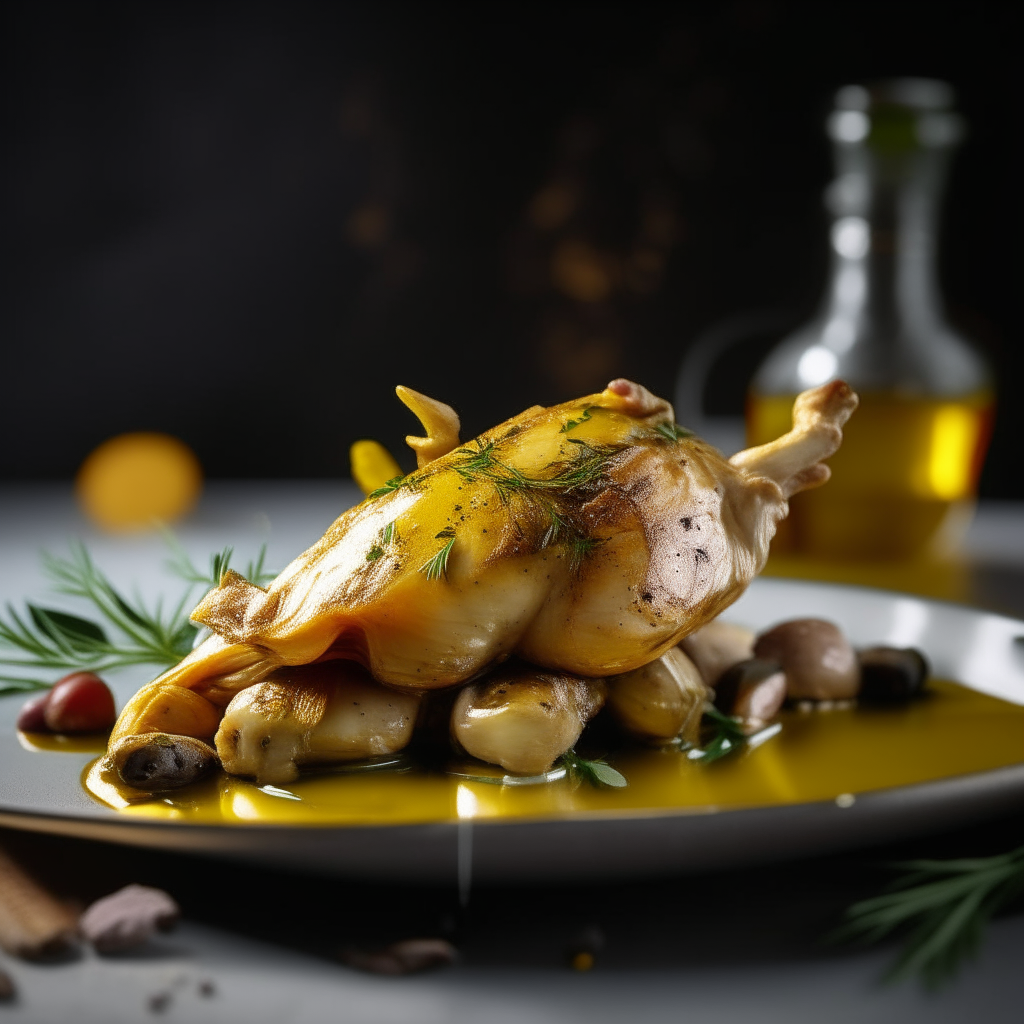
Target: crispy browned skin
[(585, 538)]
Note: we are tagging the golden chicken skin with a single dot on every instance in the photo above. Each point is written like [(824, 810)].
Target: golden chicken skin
[(583, 540)]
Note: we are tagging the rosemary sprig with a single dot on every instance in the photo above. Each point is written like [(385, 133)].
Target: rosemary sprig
[(437, 566), (51, 639), (726, 736), (127, 633), (945, 904), (391, 485), (597, 772), (181, 565)]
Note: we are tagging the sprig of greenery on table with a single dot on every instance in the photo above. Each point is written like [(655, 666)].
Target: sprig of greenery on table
[(127, 632), (945, 905)]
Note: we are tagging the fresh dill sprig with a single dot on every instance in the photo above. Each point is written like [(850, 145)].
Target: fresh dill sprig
[(945, 904), (579, 546), (726, 736), (586, 468), (561, 531), (437, 566), (550, 496), (673, 432), (597, 772), (572, 424)]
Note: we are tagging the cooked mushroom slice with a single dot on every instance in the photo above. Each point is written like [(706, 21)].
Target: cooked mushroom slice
[(314, 714), (524, 719), (661, 701), (717, 647), (818, 660)]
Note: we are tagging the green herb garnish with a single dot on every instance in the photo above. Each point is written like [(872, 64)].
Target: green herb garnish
[(673, 432), (550, 496), (128, 633), (597, 772), (387, 535), (726, 736), (572, 424), (220, 562), (945, 904), (391, 485), (49, 639), (585, 469), (437, 566)]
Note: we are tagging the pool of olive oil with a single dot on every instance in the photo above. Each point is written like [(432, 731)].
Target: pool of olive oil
[(818, 755), (905, 469)]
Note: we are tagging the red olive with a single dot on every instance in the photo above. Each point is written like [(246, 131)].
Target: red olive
[(80, 702), (32, 717)]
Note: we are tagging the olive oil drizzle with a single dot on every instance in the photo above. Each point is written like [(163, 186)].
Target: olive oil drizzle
[(818, 756)]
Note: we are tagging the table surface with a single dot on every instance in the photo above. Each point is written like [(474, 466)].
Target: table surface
[(732, 946)]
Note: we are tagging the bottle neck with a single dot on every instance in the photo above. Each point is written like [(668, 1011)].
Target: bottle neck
[(884, 289), (881, 325)]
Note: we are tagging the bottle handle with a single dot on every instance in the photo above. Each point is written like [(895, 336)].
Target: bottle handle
[(725, 432)]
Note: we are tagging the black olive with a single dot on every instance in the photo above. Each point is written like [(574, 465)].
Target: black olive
[(891, 675)]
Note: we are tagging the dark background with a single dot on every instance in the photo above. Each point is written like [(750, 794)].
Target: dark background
[(243, 224)]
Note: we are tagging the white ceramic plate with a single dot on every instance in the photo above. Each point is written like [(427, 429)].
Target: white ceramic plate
[(42, 791)]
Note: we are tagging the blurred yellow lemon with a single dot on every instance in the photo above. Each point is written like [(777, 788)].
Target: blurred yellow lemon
[(372, 465), (134, 481)]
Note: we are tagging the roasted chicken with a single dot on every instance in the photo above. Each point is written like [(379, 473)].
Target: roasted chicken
[(584, 540)]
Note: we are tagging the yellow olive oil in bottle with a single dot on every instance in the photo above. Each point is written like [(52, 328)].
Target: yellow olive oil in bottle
[(903, 483)]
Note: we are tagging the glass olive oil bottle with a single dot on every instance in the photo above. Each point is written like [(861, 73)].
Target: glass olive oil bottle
[(904, 479)]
